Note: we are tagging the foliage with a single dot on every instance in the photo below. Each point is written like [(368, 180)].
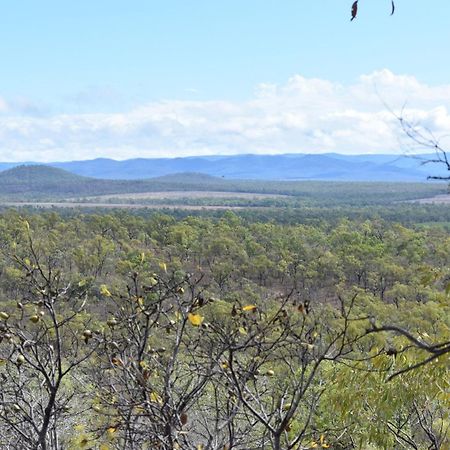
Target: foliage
[(120, 331)]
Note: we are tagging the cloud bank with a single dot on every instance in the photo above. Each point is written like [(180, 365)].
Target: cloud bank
[(306, 115)]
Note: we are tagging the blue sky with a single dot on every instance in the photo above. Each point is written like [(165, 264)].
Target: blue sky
[(95, 65)]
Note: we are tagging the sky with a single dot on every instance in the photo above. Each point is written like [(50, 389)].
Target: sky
[(147, 78)]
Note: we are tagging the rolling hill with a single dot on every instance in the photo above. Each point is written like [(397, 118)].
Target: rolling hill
[(42, 183)]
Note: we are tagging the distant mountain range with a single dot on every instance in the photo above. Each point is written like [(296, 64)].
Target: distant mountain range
[(331, 166)]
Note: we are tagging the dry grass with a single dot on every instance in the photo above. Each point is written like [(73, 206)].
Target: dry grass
[(443, 199), (47, 205), (182, 194)]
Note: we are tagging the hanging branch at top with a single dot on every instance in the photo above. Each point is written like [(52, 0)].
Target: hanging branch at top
[(355, 9)]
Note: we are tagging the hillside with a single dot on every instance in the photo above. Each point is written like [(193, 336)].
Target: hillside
[(39, 183), (38, 175)]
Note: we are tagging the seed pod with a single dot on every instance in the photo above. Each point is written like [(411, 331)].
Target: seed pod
[(87, 333), (112, 322)]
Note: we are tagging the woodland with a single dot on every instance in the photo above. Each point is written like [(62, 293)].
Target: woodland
[(157, 331)]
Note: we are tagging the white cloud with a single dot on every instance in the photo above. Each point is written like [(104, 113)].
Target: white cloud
[(303, 115)]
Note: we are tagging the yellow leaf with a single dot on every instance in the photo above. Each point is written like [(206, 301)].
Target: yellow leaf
[(195, 319), (104, 291), (249, 308), (155, 398), (104, 447), (243, 331), (323, 444), (27, 261), (111, 430), (163, 266)]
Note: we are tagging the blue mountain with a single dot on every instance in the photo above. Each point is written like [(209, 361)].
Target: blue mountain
[(331, 166)]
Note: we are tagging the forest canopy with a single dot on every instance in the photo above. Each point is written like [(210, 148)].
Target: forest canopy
[(126, 332)]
